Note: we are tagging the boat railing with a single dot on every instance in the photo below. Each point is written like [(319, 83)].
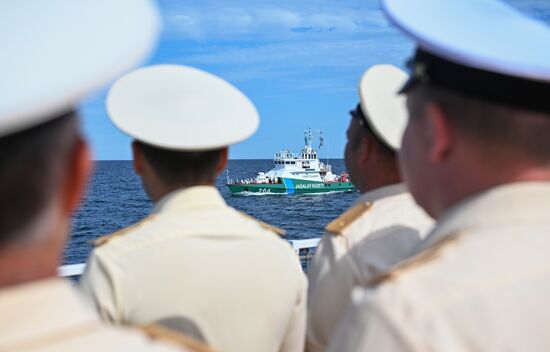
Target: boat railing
[(305, 249), (288, 155), (71, 270)]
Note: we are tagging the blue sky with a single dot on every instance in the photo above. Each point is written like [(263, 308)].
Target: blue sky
[(299, 62)]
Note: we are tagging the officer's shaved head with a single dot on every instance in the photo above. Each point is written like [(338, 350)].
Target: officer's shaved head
[(182, 168)]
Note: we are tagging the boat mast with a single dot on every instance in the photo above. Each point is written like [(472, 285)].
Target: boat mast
[(308, 139)]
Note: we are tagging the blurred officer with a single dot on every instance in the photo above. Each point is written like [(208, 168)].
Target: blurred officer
[(223, 274), (384, 226), (476, 156), (54, 54)]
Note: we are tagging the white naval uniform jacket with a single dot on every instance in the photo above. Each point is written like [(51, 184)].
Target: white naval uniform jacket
[(480, 283), (203, 266), (50, 316), (383, 227)]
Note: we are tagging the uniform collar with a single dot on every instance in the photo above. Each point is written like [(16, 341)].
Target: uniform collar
[(382, 192), (196, 197), (34, 310), (510, 204)]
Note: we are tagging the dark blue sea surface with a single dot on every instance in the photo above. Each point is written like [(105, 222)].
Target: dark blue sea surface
[(115, 199)]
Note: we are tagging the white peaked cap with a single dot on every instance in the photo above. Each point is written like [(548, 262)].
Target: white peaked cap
[(484, 49), (56, 52), (382, 106), (181, 108), (484, 34)]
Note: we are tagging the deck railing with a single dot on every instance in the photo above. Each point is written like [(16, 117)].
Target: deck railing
[(303, 248), (71, 270)]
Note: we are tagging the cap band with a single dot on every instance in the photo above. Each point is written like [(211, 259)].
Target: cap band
[(494, 87)]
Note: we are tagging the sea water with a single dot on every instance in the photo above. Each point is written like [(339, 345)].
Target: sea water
[(115, 199)]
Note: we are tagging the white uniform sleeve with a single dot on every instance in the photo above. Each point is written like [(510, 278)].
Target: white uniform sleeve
[(97, 285)]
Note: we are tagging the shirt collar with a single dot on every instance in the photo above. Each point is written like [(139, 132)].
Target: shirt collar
[(509, 204), (382, 192), (195, 197)]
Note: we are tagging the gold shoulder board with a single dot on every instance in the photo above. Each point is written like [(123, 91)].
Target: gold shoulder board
[(265, 225), (105, 239), (157, 332), (423, 257), (338, 225)]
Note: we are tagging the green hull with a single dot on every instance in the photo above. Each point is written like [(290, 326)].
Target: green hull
[(290, 186)]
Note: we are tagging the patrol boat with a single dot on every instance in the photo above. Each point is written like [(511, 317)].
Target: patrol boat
[(295, 173)]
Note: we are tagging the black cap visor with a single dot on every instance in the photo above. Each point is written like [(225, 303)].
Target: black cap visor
[(495, 87)]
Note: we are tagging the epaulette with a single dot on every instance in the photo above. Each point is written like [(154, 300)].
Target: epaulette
[(338, 225), (105, 239), (157, 332), (265, 225), (421, 258)]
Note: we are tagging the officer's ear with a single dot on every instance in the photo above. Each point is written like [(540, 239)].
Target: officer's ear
[(222, 162), (137, 156), (438, 132), (76, 175)]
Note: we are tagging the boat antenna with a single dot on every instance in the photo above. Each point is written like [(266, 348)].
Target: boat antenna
[(322, 143), (308, 138), (326, 154)]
